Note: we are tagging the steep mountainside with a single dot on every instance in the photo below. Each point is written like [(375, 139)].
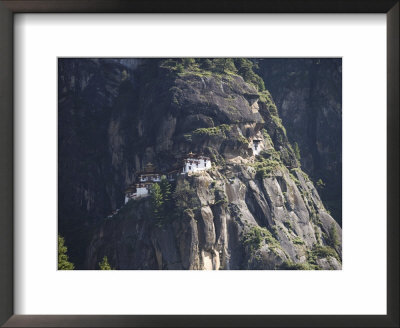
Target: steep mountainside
[(246, 212), (308, 94)]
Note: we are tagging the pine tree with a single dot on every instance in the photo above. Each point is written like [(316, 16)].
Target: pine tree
[(187, 62), (165, 190), (63, 262), (230, 65), (206, 64), (104, 265), (185, 197), (245, 69), (167, 210), (219, 64), (156, 200)]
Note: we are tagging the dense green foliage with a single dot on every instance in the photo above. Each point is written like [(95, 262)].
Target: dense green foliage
[(246, 68), (167, 204), (298, 241), (319, 251), (165, 188), (161, 201), (239, 66), (223, 65), (156, 200), (214, 131), (255, 237), (241, 139), (104, 265), (185, 197), (334, 237), (266, 163), (63, 262), (266, 98)]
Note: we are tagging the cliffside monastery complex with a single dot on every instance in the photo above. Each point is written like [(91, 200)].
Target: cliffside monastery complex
[(191, 163)]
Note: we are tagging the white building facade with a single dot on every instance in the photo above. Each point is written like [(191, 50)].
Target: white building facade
[(150, 177), (196, 163), (139, 191)]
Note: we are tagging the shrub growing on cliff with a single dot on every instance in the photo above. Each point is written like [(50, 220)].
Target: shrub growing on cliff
[(320, 184), (179, 68), (104, 265), (254, 238), (298, 241), (245, 69), (185, 197), (187, 62), (242, 140), (322, 252), (267, 163), (63, 262), (214, 131), (224, 65), (206, 63), (289, 265), (334, 236), (266, 98)]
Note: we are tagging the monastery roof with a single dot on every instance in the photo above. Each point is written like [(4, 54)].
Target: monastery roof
[(149, 169)]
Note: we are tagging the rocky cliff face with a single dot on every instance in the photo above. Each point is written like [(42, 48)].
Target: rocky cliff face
[(308, 94), (246, 212)]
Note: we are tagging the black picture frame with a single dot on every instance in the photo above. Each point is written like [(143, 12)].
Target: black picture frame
[(10, 7)]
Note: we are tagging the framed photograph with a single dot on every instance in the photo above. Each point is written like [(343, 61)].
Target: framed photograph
[(215, 164)]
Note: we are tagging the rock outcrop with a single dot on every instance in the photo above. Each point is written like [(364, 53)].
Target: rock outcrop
[(246, 212), (308, 94)]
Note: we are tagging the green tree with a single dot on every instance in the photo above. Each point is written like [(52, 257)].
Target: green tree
[(224, 65), (230, 65), (185, 197), (245, 69), (320, 184), (104, 265), (156, 200), (166, 192), (165, 187), (334, 236), (179, 68), (187, 62), (63, 262), (206, 64)]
